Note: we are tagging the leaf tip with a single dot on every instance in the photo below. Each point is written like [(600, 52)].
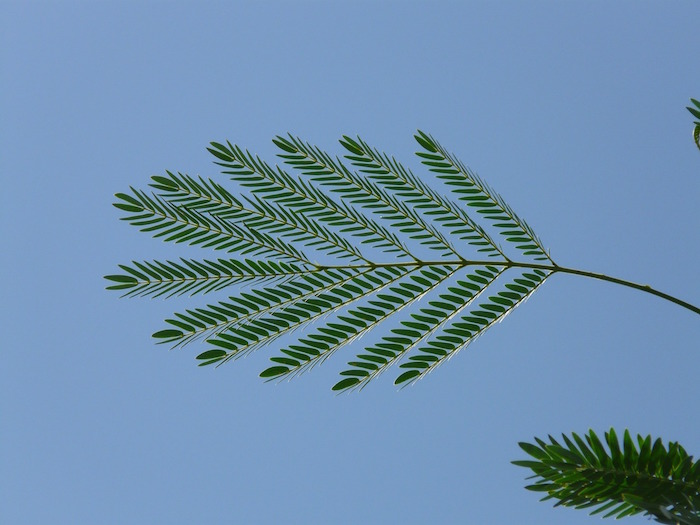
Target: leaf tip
[(425, 141), (284, 144)]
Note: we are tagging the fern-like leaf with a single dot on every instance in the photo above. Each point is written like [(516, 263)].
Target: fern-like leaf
[(466, 326), (617, 478), (208, 196), (180, 224), (331, 251), (249, 305), (278, 186), (196, 277), (241, 339), (412, 332)]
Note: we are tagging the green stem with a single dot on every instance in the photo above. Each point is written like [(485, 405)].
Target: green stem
[(643, 287), (553, 268)]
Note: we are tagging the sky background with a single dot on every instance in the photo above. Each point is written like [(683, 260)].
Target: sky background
[(573, 111)]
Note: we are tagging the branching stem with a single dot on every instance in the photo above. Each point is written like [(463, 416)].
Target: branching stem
[(534, 266)]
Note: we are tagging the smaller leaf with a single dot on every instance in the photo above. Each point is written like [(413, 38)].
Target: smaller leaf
[(168, 334), (533, 451), (127, 279), (425, 141), (350, 145), (274, 371), (406, 376), (284, 144), (694, 111), (345, 383), (211, 354)]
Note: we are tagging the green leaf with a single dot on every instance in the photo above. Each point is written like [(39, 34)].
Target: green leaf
[(425, 141), (614, 482), (406, 376), (211, 354), (167, 334), (274, 371), (346, 383), (127, 279)]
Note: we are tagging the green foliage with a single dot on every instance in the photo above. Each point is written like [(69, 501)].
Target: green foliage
[(337, 247), (695, 111), (618, 478), (622, 480)]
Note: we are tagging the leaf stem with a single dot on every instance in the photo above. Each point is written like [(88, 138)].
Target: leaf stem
[(643, 287), (554, 268)]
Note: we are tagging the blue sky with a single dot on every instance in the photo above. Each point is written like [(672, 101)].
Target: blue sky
[(573, 111)]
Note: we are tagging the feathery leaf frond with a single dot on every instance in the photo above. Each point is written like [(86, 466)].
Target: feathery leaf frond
[(196, 277), (306, 256), (620, 479), (250, 305), (392, 348), (465, 328), (208, 196), (181, 224)]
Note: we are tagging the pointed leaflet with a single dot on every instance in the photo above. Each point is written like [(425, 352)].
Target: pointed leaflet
[(695, 111)]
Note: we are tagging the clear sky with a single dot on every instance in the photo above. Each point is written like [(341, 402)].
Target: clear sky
[(573, 111)]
